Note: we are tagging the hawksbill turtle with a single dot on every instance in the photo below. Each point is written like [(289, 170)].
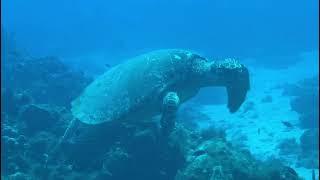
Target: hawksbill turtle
[(157, 83)]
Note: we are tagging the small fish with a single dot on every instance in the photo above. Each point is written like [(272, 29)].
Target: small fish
[(107, 65), (287, 124)]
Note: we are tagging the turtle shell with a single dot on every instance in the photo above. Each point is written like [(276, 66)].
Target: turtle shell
[(136, 85)]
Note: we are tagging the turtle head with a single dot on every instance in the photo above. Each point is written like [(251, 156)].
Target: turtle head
[(235, 77)]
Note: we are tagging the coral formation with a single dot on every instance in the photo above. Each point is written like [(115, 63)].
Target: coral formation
[(43, 79), (220, 160), (305, 101), (309, 156), (37, 118)]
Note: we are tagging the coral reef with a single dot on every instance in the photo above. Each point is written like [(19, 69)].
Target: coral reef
[(117, 151), (309, 140), (309, 156), (37, 118), (11, 102), (47, 80), (220, 160), (305, 101)]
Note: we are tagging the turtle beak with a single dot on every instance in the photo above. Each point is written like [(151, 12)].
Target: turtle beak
[(237, 91)]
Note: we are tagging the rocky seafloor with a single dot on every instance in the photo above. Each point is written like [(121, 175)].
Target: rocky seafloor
[(35, 111)]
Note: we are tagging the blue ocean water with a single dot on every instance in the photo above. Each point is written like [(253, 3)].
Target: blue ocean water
[(51, 51)]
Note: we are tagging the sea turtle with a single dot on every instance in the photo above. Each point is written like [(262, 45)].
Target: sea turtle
[(157, 83)]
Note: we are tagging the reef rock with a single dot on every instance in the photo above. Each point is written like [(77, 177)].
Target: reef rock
[(38, 117), (310, 140), (219, 160), (309, 156), (305, 101), (47, 79), (12, 101)]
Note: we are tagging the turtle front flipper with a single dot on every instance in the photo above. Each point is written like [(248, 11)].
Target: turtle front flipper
[(73, 125), (170, 104)]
